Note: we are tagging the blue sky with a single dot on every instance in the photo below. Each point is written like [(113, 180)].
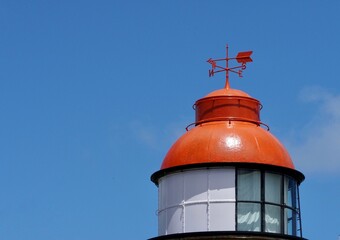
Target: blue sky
[(93, 94)]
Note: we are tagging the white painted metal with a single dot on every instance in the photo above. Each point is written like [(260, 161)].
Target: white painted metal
[(197, 200)]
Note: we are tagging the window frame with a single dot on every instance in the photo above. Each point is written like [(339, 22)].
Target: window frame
[(283, 207)]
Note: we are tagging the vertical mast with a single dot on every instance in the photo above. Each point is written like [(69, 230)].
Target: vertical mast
[(227, 72)]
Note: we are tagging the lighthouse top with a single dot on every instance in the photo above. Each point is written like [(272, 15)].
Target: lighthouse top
[(228, 131)]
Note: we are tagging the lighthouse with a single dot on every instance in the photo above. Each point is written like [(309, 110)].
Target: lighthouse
[(227, 176)]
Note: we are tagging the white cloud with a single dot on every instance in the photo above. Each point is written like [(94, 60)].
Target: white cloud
[(318, 149), (144, 133), (157, 137)]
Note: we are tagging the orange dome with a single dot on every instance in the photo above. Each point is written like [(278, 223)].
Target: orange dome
[(227, 142), (227, 130), (227, 92)]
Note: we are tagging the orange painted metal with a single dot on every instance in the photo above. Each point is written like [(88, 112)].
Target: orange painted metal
[(227, 130), (242, 57), (227, 104)]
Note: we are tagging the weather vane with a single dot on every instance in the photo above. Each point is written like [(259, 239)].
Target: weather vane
[(242, 57)]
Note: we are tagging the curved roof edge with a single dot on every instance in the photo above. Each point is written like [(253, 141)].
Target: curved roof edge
[(288, 171)]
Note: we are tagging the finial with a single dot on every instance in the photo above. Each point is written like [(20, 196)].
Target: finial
[(242, 57)]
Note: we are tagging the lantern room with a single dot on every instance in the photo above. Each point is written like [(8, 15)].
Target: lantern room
[(228, 176)]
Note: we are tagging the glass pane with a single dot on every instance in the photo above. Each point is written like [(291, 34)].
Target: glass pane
[(248, 185), (290, 222), (298, 224), (272, 219), (249, 217), (290, 192), (272, 187)]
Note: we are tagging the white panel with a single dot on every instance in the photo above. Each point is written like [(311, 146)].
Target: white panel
[(161, 195), (183, 201), (174, 189), (196, 185), (174, 220), (222, 184), (222, 217), (196, 218), (162, 223)]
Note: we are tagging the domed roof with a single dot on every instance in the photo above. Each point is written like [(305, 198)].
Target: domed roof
[(227, 92), (227, 130), (227, 142)]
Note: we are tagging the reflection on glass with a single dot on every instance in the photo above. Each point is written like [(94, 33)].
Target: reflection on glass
[(272, 219), (267, 202), (249, 217)]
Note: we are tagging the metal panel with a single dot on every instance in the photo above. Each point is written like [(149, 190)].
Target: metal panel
[(222, 217), (197, 200), (222, 184), (196, 185), (196, 218), (174, 220), (162, 223), (174, 189)]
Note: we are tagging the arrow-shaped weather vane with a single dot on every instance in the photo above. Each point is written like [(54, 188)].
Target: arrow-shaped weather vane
[(242, 57)]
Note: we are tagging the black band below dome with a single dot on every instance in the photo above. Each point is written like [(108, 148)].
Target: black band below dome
[(298, 176), (227, 235)]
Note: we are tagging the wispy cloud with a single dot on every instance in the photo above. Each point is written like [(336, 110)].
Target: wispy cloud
[(315, 148), (318, 148), (144, 133), (157, 137)]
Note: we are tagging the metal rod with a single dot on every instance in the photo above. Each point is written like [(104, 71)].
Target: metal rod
[(227, 70), (242, 58)]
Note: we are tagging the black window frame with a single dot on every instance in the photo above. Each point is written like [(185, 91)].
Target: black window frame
[(295, 208)]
